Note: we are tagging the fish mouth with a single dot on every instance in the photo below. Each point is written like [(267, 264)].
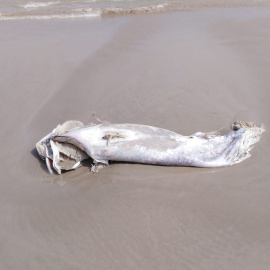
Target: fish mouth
[(61, 155)]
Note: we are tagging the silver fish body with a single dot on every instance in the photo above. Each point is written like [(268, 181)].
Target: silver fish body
[(152, 145)]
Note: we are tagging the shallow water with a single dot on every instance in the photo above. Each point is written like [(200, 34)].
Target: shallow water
[(71, 9), (207, 71)]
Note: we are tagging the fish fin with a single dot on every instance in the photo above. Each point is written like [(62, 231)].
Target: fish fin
[(100, 121), (247, 136), (99, 164)]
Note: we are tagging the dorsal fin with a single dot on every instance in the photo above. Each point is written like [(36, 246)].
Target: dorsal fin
[(100, 121)]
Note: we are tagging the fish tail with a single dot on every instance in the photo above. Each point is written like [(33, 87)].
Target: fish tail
[(247, 135)]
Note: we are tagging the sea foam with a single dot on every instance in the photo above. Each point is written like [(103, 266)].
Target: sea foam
[(34, 5), (51, 16)]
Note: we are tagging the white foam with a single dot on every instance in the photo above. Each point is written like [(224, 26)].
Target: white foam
[(161, 6), (74, 13), (49, 17), (34, 5)]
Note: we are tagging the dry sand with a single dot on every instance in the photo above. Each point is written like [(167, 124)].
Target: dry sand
[(185, 71)]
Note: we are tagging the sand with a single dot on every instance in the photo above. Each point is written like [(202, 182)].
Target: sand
[(185, 71)]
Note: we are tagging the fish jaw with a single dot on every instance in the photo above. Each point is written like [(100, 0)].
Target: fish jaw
[(59, 156)]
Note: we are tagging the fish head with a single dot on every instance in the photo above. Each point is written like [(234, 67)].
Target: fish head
[(58, 155)]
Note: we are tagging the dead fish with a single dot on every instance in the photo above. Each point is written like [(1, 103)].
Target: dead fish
[(70, 143)]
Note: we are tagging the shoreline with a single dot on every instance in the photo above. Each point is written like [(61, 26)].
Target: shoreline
[(104, 12)]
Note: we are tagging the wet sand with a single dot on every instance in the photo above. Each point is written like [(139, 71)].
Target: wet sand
[(185, 71)]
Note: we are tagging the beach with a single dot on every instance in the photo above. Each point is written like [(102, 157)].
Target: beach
[(189, 70)]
